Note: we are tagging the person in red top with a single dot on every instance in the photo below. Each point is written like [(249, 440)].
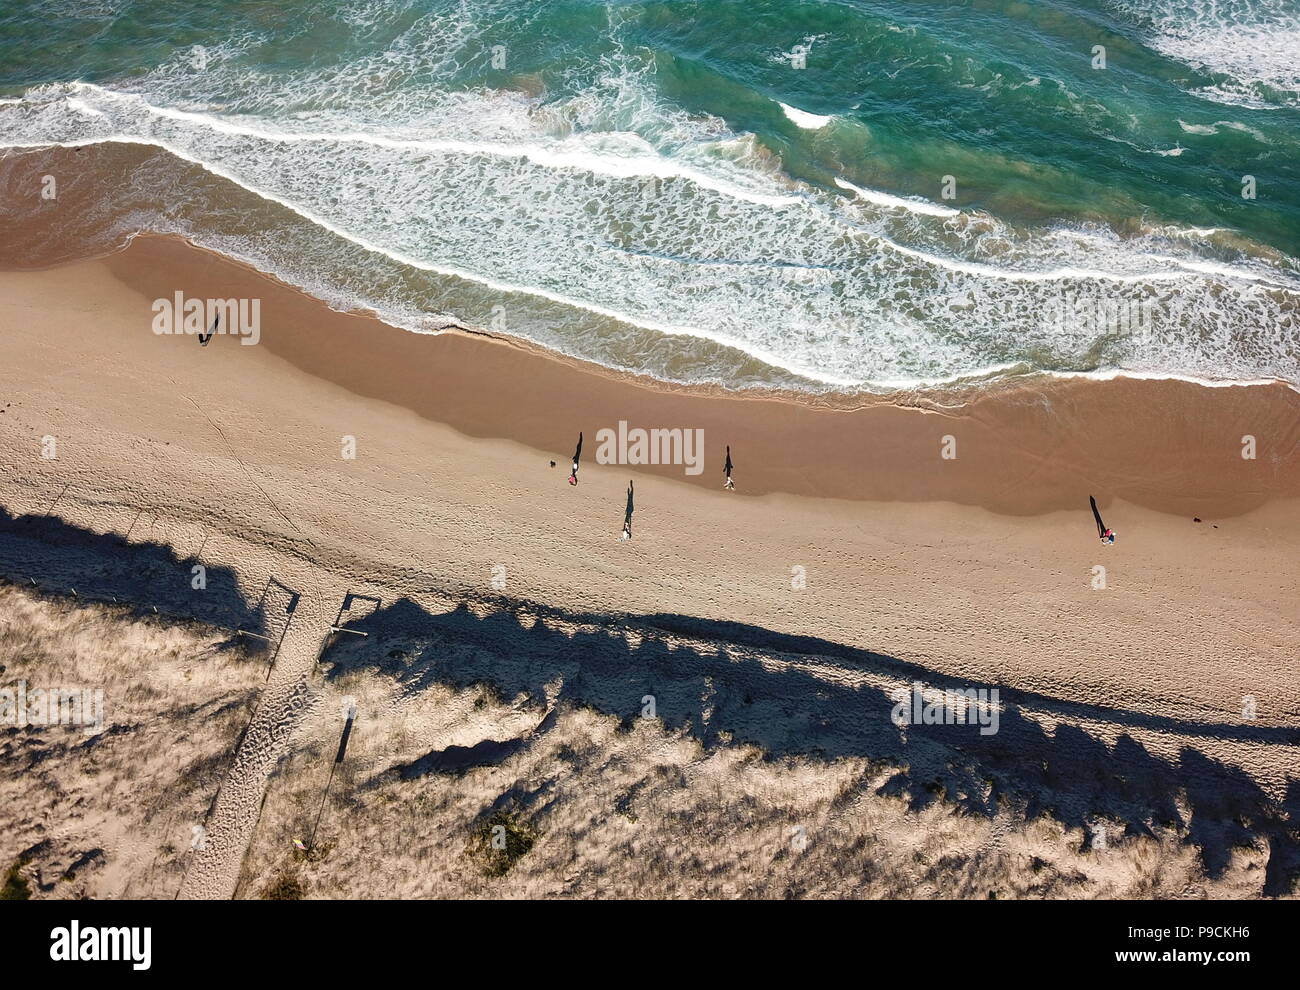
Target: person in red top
[(1107, 535)]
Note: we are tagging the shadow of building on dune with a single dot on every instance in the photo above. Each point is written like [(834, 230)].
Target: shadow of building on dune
[(799, 695), (59, 557)]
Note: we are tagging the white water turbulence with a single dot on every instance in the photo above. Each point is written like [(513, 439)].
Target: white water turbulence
[(612, 226), (1253, 43), (802, 118)]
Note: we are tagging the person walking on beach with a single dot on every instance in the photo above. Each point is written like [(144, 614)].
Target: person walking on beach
[(627, 515), (728, 484), (1107, 535), (205, 337), (577, 454)]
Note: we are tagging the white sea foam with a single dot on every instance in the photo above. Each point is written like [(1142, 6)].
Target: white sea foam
[(497, 285), (1230, 124), (1252, 42), (618, 155), (617, 163), (1111, 374), (897, 202), (607, 221), (802, 118)]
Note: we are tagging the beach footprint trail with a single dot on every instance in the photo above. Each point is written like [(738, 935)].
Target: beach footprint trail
[(214, 874)]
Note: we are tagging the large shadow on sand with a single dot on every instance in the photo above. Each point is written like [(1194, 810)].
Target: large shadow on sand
[(789, 695), (728, 681), (55, 556)]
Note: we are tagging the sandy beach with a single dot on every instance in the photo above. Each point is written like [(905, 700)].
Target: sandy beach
[(853, 556)]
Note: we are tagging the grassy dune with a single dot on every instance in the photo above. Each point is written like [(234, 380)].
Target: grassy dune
[(111, 812)]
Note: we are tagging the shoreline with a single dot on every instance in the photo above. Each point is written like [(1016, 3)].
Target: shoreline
[(1185, 435), (1163, 443), (955, 386), (59, 156)]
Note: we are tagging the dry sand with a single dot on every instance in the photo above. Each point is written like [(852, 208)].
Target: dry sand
[(1122, 705)]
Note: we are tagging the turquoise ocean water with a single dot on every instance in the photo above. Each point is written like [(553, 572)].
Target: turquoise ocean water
[(752, 192)]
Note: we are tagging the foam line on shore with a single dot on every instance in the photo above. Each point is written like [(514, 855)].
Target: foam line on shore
[(983, 376), (648, 165)]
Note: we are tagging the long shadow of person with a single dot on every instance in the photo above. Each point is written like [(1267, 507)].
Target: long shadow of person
[(1102, 531), (577, 455), (627, 515), (205, 337)]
